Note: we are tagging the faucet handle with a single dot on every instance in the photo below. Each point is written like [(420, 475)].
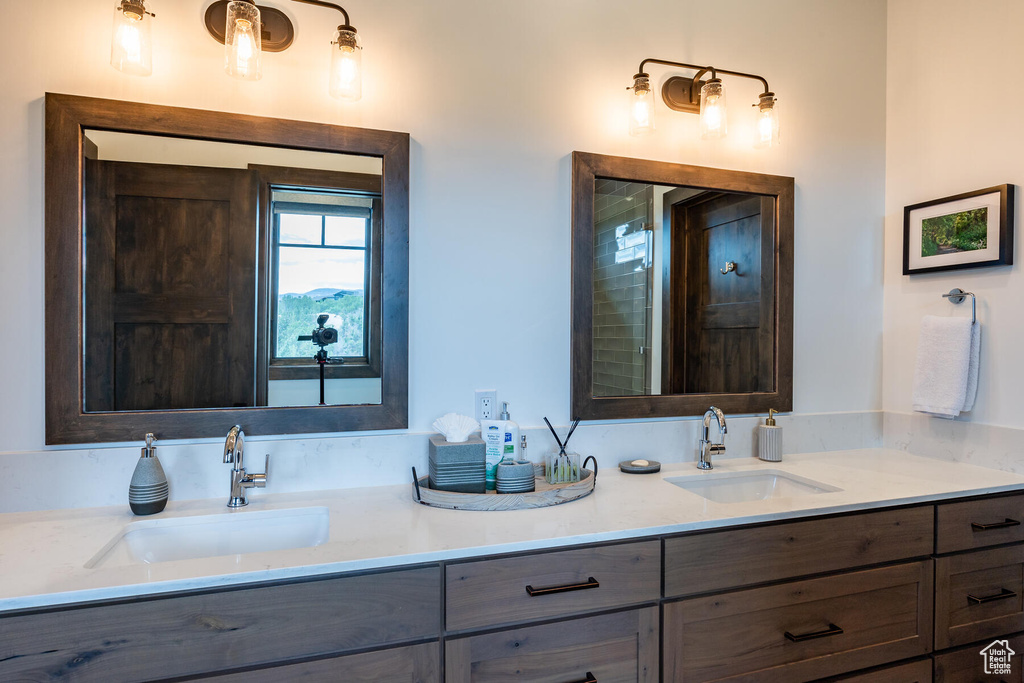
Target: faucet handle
[(260, 480)]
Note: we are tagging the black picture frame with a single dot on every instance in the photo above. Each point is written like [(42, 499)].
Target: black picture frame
[(1001, 254)]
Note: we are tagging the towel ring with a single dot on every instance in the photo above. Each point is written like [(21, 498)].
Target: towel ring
[(958, 296)]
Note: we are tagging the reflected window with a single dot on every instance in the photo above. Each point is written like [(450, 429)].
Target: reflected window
[(321, 266)]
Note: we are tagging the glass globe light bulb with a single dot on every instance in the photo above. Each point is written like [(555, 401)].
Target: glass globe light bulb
[(346, 65), (641, 105), (713, 119), (131, 49), (243, 41), (767, 133)]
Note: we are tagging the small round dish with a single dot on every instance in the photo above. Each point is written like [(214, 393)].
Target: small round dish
[(637, 466)]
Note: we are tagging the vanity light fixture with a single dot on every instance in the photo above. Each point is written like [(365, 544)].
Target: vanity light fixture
[(131, 49), (247, 30), (243, 40), (703, 97)]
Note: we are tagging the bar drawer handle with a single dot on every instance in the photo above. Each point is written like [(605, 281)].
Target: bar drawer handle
[(590, 583), (1003, 594), (998, 525), (832, 630), (589, 679)]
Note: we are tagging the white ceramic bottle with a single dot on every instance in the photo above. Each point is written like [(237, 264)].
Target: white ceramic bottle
[(769, 439), (147, 493)]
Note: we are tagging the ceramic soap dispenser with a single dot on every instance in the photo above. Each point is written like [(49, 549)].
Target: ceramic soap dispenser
[(147, 494), (769, 439)]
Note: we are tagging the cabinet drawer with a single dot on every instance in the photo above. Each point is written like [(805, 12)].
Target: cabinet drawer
[(979, 523), (220, 631), (726, 559), (611, 648), (968, 665), (413, 664), (493, 592), (978, 595), (802, 630), (914, 672)]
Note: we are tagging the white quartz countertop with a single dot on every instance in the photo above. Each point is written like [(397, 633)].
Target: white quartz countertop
[(43, 555)]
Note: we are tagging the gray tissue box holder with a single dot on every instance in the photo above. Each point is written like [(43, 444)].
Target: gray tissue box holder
[(471, 451)]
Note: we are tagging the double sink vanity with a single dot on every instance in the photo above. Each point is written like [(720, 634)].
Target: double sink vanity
[(869, 565)]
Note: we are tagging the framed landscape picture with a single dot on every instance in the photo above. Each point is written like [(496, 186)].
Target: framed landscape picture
[(964, 231)]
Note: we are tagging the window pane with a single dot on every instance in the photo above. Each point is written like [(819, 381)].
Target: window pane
[(312, 281), (346, 231), (298, 228)]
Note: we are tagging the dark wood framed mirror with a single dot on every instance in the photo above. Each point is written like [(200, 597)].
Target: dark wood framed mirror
[(682, 289), (189, 255)]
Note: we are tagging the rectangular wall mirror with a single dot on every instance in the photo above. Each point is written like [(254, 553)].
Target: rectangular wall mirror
[(224, 269), (682, 289)]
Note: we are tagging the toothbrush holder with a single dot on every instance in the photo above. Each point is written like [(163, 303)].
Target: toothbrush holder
[(562, 468)]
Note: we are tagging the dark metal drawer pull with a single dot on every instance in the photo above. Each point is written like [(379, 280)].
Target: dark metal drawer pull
[(589, 679), (591, 583), (832, 630), (998, 525), (1003, 594)]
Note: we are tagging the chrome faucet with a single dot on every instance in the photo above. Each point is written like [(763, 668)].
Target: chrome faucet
[(240, 481), (707, 449)]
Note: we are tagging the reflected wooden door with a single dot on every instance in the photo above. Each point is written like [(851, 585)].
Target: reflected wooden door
[(169, 287), (727, 318)]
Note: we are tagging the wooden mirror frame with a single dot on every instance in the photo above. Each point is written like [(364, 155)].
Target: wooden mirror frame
[(586, 169), (67, 116)]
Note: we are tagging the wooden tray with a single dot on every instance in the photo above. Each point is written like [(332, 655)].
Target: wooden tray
[(545, 495)]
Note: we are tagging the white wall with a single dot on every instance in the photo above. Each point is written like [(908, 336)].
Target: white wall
[(953, 125), (496, 96)]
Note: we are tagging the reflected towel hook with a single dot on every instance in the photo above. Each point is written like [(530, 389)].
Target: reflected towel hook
[(957, 296), (730, 266)]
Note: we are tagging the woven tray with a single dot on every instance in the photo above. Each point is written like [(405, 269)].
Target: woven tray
[(546, 494)]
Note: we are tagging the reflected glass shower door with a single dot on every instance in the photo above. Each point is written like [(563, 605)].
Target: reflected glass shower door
[(623, 287)]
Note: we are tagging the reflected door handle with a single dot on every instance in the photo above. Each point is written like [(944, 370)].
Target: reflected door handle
[(730, 266)]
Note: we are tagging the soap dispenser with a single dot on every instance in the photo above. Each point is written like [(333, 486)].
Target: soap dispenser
[(769, 439), (511, 450), (147, 494)]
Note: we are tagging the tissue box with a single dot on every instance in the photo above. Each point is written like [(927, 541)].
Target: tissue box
[(458, 467)]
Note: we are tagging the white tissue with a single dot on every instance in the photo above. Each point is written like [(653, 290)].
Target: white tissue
[(455, 428)]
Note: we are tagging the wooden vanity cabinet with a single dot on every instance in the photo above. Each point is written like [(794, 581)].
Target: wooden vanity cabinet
[(919, 671), (802, 630), (184, 635), (410, 664), (621, 647), (978, 595), (521, 588), (979, 523), (900, 595)]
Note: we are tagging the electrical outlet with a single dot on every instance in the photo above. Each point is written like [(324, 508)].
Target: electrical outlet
[(486, 404)]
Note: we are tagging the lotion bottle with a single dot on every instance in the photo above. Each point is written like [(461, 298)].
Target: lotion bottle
[(769, 439), (511, 445), (501, 440), (493, 434)]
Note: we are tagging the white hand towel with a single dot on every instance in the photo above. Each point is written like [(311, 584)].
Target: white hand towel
[(946, 374)]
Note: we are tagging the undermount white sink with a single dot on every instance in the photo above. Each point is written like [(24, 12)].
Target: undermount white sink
[(744, 487), (229, 533)]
